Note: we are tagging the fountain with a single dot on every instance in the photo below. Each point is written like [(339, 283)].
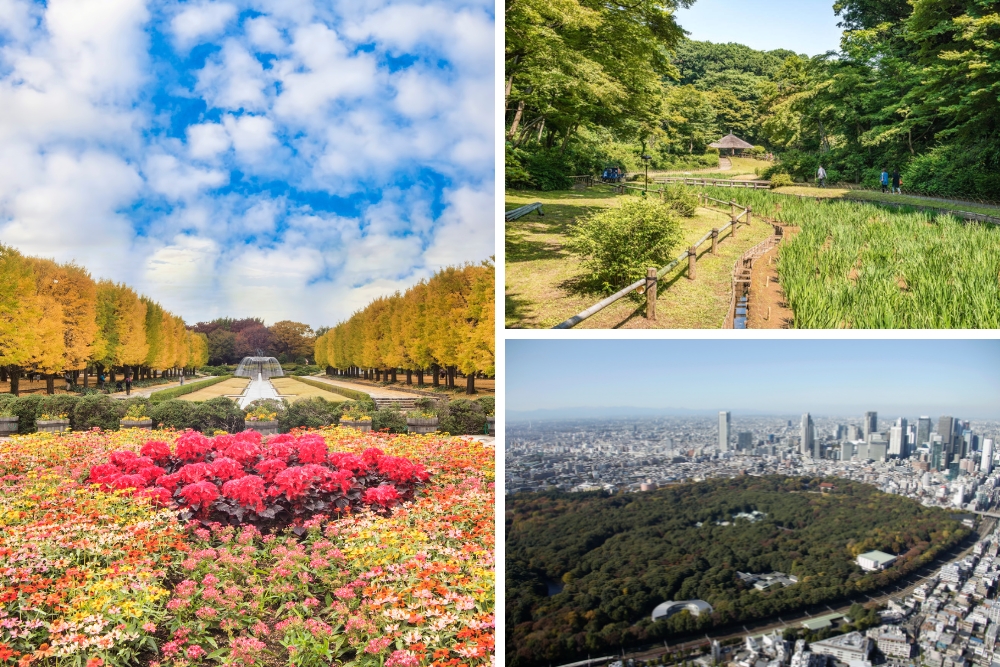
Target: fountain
[(260, 369)]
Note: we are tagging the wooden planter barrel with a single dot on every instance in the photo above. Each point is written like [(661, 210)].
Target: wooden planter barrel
[(52, 425), (491, 426), (144, 424), (264, 428), (8, 426), (363, 426), (422, 424)]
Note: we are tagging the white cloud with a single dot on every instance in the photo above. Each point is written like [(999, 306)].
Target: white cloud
[(206, 140), (199, 21), (252, 136), (263, 34), (234, 81), (465, 230), (168, 176), (180, 272)]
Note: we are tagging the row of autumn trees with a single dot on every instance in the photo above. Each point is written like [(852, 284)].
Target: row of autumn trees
[(56, 319), (445, 324)]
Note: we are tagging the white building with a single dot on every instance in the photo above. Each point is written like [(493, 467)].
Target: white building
[(724, 431), (846, 648), (875, 560), (986, 463)]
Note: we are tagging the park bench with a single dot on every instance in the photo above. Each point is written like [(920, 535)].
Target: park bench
[(521, 211)]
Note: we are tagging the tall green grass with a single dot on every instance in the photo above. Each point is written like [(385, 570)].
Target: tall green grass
[(865, 267)]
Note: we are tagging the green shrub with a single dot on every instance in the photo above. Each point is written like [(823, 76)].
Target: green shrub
[(781, 180), (681, 199), (124, 406), (97, 410), (488, 403), (515, 175), (343, 391), (955, 171), (59, 404), (549, 170), (219, 413), (427, 404), (462, 417), (390, 419), (173, 413), (216, 370), (7, 405), (618, 244), (309, 413)]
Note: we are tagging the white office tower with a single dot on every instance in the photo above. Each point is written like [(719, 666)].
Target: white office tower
[(808, 436), (986, 463), (724, 428), (897, 442), (959, 499), (870, 424)]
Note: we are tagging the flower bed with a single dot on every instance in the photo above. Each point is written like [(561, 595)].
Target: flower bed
[(126, 579)]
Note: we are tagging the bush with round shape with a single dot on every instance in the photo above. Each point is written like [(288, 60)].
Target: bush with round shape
[(174, 413), (309, 413), (462, 417), (488, 404), (219, 413), (239, 479), (617, 245), (780, 180), (389, 419), (95, 411)]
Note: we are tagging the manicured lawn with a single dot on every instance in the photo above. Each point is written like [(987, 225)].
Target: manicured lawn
[(544, 279), (293, 390), (228, 388)]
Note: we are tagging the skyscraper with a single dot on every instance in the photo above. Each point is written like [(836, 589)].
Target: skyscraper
[(945, 429), (923, 431), (937, 453), (724, 420), (897, 439), (986, 463), (870, 424), (744, 441), (808, 437)]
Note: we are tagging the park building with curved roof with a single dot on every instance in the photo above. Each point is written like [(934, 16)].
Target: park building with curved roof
[(667, 609)]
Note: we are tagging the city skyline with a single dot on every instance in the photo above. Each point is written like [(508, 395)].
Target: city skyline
[(834, 378)]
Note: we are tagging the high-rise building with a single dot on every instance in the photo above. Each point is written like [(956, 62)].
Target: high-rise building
[(937, 453), (744, 441), (854, 433), (897, 440), (923, 431), (839, 432), (808, 436), (870, 424), (986, 462), (724, 434), (946, 428)]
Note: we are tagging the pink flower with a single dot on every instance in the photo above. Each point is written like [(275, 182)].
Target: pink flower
[(378, 645), (194, 652), (345, 593), (186, 588), (100, 472), (372, 455), (200, 493), (402, 659), (149, 627), (381, 495)]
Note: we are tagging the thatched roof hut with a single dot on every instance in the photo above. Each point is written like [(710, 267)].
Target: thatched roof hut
[(732, 142)]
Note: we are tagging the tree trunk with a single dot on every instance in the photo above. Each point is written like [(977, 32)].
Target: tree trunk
[(510, 84), (451, 377), (409, 376), (420, 377), (111, 375), (86, 377), (437, 371), (50, 384), (15, 381), (517, 119), (470, 383), (393, 376)]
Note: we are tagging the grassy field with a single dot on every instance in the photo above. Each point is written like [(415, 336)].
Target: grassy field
[(293, 390), (544, 279), (743, 168), (230, 387), (876, 196)]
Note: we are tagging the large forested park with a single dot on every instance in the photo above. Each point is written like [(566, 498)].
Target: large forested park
[(585, 570), (911, 93)]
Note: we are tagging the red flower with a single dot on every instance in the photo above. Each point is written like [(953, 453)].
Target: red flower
[(312, 449), (122, 458), (243, 450), (192, 446), (381, 495), (270, 468), (279, 449), (293, 482), (99, 472), (169, 482), (195, 472), (247, 491), (156, 450), (199, 493), (372, 455), (126, 482), (225, 468), (347, 462), (401, 470), (150, 473), (342, 478)]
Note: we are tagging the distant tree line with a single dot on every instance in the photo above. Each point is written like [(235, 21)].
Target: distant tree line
[(56, 319), (585, 570), (443, 323), (229, 339)]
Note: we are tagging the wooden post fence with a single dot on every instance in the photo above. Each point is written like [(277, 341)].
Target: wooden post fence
[(692, 260), (715, 240), (651, 293)]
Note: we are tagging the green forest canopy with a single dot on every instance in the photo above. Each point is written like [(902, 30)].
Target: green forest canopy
[(915, 86), (619, 556)]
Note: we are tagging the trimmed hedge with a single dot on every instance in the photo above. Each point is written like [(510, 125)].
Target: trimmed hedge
[(343, 391), (168, 394)]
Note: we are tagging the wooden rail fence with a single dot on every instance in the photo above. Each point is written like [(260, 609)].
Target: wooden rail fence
[(737, 215), (717, 182), (739, 305)]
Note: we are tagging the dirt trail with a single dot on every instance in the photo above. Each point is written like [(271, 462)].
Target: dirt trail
[(768, 308), (725, 164)]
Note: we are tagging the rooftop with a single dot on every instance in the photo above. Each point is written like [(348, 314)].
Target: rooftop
[(878, 556)]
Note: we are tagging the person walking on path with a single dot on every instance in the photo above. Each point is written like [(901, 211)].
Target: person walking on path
[(101, 380), (128, 384), (896, 181), (885, 179), (821, 176)]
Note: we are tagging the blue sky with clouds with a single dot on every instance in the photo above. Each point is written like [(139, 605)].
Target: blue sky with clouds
[(275, 158)]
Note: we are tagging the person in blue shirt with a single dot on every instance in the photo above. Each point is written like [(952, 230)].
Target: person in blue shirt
[(885, 179)]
